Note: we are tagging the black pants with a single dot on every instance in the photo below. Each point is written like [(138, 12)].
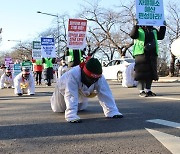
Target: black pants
[(38, 77), (142, 84), (48, 75)]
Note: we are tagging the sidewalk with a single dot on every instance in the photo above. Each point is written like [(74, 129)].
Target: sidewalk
[(169, 79)]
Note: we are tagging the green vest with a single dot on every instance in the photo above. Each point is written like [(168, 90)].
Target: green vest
[(38, 62), (138, 48), (48, 63), (71, 55)]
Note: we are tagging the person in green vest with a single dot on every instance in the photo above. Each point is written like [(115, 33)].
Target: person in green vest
[(145, 52), (38, 67), (48, 69), (75, 57)]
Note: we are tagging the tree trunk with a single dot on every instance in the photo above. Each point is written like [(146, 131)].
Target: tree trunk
[(172, 63)]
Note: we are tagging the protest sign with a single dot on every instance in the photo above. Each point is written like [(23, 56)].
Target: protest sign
[(16, 69), (8, 61), (150, 12), (76, 38), (36, 50), (48, 48), (27, 64)]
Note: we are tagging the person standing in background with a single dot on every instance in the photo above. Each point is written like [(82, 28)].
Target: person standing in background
[(62, 68), (178, 67), (38, 67), (75, 57), (145, 52), (48, 69)]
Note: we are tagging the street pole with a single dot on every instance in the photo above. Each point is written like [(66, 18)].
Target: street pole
[(19, 41), (21, 48), (15, 41), (58, 40), (58, 36)]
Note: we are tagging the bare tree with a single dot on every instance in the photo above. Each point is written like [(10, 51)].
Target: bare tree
[(0, 35), (21, 50), (61, 36), (109, 29)]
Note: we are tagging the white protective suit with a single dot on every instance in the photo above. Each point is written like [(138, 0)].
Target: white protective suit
[(61, 70), (6, 81), (19, 81), (2, 71), (71, 95), (128, 76)]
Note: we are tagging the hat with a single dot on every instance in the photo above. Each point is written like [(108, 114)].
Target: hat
[(3, 66), (93, 68), (26, 70), (8, 69)]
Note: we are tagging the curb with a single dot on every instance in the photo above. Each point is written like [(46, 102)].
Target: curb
[(168, 79)]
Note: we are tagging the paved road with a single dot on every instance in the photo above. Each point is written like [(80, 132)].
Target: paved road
[(150, 125)]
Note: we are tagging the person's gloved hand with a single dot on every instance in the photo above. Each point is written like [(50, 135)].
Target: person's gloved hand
[(136, 22), (164, 22), (117, 116), (76, 121)]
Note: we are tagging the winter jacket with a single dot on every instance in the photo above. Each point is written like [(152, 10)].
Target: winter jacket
[(139, 44), (146, 61), (38, 67)]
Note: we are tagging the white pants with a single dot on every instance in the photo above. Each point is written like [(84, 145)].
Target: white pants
[(58, 103)]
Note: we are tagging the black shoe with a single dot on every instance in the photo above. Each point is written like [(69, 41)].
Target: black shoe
[(150, 93), (31, 94), (19, 94), (143, 94)]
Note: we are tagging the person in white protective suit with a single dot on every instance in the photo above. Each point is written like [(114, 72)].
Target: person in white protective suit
[(128, 76), (62, 68), (24, 83), (6, 80), (2, 69), (78, 84)]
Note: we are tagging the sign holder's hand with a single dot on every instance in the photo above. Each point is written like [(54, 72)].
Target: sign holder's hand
[(164, 22)]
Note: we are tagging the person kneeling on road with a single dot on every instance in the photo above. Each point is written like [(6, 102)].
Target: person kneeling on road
[(6, 80), (24, 83), (75, 86)]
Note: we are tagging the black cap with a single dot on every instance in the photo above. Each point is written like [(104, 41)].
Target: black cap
[(93, 65)]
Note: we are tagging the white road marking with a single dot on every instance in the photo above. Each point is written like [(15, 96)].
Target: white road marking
[(169, 98), (169, 141), (165, 123)]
